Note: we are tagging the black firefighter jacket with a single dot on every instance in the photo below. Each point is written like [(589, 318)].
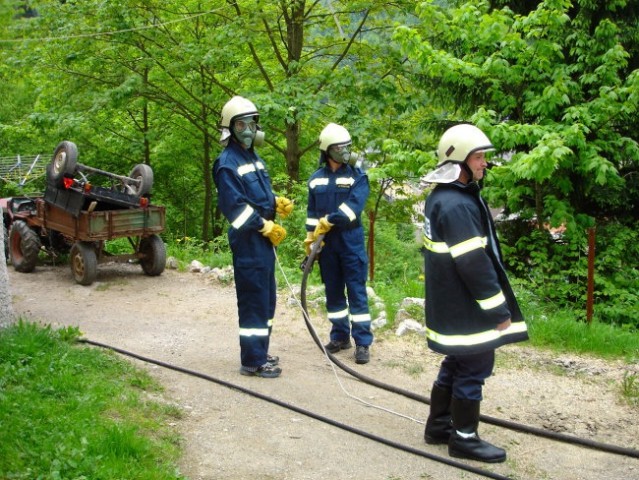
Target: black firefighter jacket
[(467, 290)]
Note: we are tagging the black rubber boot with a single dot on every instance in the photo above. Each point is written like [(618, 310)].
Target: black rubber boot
[(464, 441), (438, 425)]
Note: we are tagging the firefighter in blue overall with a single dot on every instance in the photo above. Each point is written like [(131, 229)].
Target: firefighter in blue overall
[(337, 194), (470, 307), (246, 199)]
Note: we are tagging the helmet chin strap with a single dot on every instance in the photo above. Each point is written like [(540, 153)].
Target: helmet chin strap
[(470, 179), (469, 173)]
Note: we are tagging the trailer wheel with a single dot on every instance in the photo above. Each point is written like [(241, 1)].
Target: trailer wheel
[(144, 173), (64, 162), (152, 255), (6, 241), (24, 246), (84, 263)]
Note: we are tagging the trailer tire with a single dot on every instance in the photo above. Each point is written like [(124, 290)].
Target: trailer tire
[(63, 163), (144, 173), (24, 247), (84, 262), (152, 255), (6, 241)]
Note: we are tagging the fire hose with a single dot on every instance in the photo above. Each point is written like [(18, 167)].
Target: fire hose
[(307, 267)]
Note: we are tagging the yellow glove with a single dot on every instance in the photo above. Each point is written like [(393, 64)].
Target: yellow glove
[(283, 206), (323, 227), (274, 232), (308, 243)]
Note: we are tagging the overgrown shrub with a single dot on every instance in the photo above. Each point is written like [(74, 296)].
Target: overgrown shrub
[(556, 267)]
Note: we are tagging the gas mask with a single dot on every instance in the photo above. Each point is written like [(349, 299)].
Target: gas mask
[(245, 130), (258, 141), (341, 153)]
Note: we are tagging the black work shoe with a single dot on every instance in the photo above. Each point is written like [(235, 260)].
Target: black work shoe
[(272, 359), (474, 448), (362, 355), (265, 371), (438, 430), (335, 346)]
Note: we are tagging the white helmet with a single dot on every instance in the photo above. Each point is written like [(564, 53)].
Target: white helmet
[(237, 107), (455, 146), (458, 142), (333, 134)]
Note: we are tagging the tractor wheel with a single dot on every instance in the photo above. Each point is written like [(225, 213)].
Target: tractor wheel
[(63, 163), (152, 255), (144, 173), (24, 247), (84, 262)]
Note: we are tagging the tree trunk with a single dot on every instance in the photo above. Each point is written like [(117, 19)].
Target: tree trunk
[(6, 308), (539, 206), (293, 151), (295, 41), (208, 188), (145, 122)]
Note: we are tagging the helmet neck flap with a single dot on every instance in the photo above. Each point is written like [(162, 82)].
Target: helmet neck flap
[(454, 149)]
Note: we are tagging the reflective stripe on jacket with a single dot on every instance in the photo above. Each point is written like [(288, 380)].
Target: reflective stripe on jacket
[(467, 291), (341, 195)]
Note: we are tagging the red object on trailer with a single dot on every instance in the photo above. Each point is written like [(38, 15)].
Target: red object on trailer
[(78, 217)]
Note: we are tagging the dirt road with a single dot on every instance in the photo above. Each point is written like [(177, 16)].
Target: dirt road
[(189, 320)]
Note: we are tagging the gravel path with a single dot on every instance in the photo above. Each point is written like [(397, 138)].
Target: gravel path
[(190, 320)]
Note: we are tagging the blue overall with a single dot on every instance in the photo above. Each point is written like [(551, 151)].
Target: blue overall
[(246, 199), (343, 262), (466, 374)]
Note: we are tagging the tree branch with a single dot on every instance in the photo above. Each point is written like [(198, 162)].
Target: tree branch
[(322, 84)]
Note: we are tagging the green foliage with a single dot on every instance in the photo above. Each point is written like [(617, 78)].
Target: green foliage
[(617, 274), (555, 85), (559, 97), (73, 412), (399, 269), (563, 329), (556, 268), (565, 333), (143, 82)]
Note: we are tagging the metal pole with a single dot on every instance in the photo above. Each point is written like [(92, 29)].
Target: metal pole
[(371, 246), (591, 274)]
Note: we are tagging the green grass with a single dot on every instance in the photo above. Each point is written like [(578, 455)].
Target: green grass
[(187, 249), (73, 412), (550, 327), (562, 330), (630, 389)]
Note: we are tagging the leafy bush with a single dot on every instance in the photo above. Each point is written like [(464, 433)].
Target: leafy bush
[(557, 268)]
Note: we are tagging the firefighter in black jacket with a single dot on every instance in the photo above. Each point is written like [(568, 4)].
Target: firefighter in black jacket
[(470, 307)]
